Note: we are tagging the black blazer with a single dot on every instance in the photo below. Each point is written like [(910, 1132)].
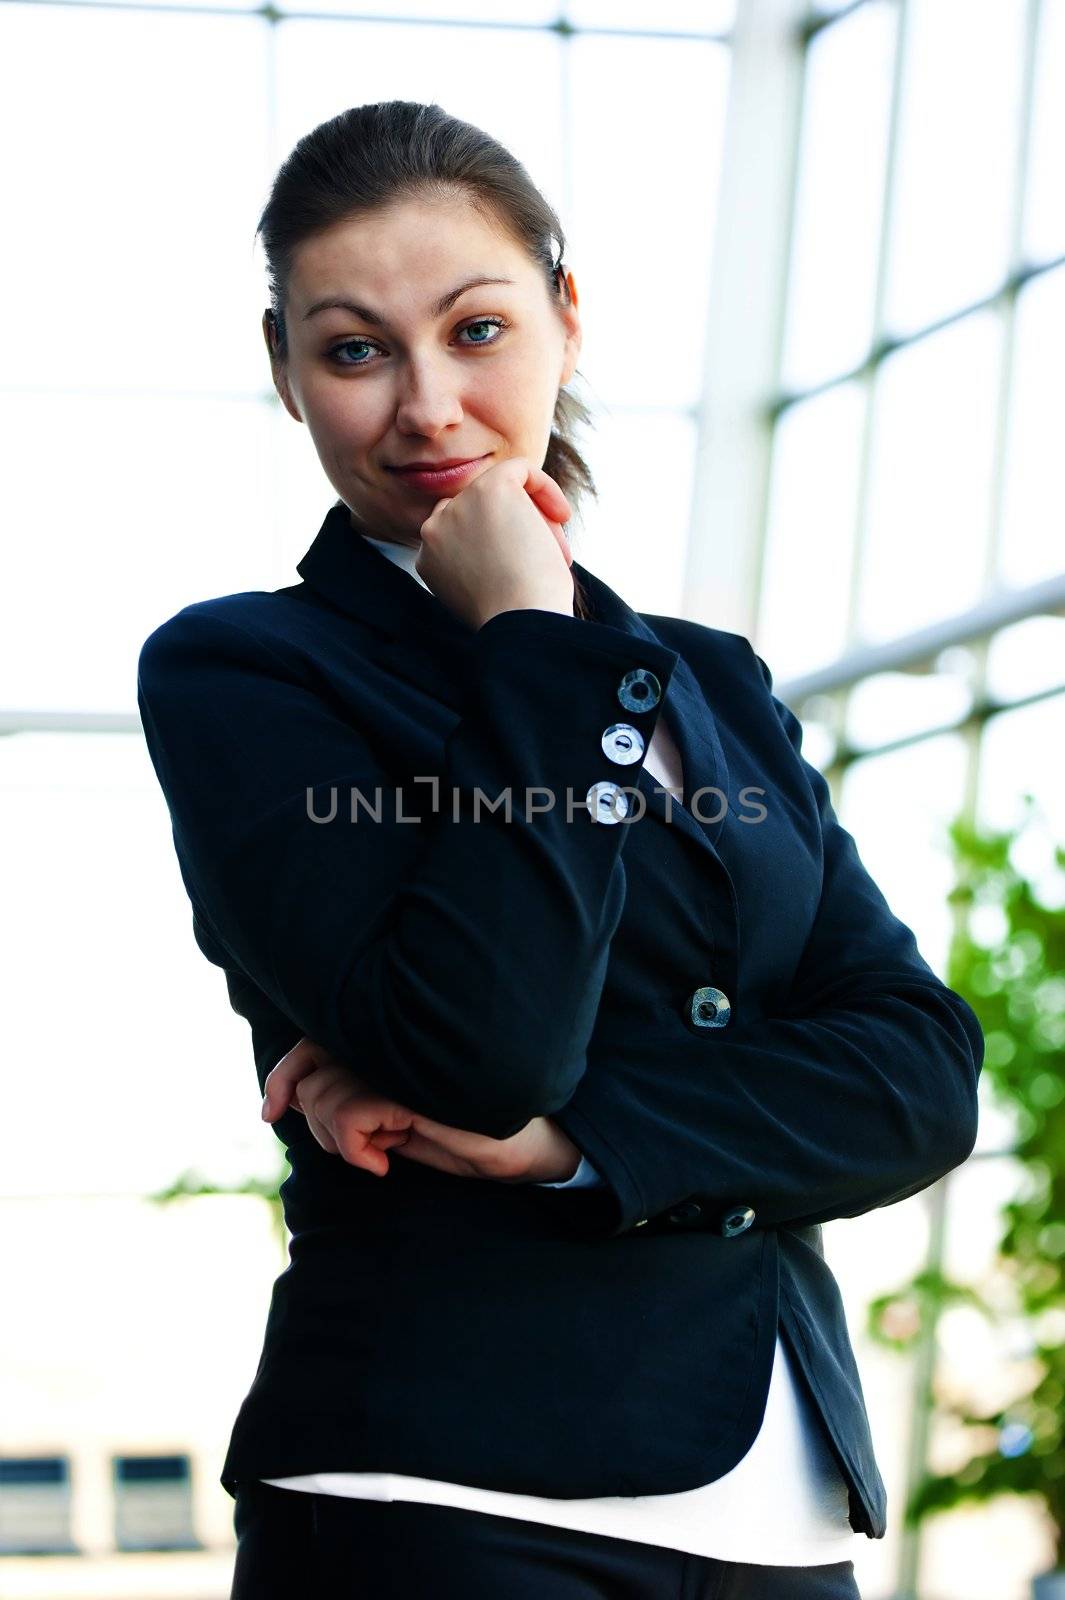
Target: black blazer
[(723, 1014)]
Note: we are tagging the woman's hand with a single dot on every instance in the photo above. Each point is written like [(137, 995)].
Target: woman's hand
[(350, 1119), (539, 1153), (346, 1116), (498, 544)]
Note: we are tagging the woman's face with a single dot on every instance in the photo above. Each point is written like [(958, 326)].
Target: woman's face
[(393, 378)]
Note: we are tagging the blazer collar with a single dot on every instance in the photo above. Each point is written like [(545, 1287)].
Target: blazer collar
[(348, 571), (427, 645)]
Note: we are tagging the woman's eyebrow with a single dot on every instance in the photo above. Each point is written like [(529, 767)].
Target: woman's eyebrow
[(445, 303)]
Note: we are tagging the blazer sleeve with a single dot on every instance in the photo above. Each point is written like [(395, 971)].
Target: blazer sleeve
[(454, 961), (861, 1092)]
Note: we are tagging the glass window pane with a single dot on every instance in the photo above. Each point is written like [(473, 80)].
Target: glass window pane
[(325, 67), (929, 495), (125, 510), (1021, 754), (894, 705), (1044, 233), (1020, 781), (1032, 543), (636, 536), (142, 1337), (843, 150), (153, 1503), (898, 807), (35, 1501), (822, 717), (643, 211), (173, 5), (97, 939), (958, 137), (667, 16), (402, 11), (1027, 658), (138, 270), (303, 493), (809, 546)]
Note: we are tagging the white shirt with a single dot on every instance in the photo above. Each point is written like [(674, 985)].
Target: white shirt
[(802, 1523)]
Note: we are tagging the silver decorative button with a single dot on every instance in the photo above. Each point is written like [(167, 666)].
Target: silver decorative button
[(606, 802), (623, 743), (738, 1220), (709, 1008), (639, 690)]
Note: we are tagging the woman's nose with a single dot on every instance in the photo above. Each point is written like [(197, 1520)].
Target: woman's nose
[(429, 401)]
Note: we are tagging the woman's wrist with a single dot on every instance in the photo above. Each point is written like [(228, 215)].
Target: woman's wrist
[(561, 1157)]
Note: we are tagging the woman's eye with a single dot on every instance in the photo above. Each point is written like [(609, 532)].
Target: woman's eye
[(474, 328), (485, 322), (347, 345)]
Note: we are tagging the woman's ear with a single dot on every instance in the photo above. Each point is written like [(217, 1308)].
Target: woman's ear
[(572, 323), (269, 327), (277, 367)]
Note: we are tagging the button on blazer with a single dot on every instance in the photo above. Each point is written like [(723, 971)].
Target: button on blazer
[(435, 850)]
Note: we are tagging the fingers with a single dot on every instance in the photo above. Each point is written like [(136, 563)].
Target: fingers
[(458, 1149), (365, 1154), (563, 541), (385, 1140), (538, 484), (322, 1134), (282, 1089), (346, 1117), (350, 1120), (443, 501), (365, 1127), (541, 488), (428, 1154), (280, 1081), (547, 495), (337, 1096)]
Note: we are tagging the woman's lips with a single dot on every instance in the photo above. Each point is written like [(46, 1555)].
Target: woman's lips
[(434, 482)]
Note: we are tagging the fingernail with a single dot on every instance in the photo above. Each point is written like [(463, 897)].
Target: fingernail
[(266, 1108)]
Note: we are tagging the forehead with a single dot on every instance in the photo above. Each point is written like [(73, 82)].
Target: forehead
[(404, 257)]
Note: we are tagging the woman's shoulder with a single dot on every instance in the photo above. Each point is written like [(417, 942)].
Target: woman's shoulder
[(699, 644), (282, 623)]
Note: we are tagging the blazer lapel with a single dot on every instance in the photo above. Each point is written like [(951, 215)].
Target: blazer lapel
[(426, 645), (419, 639)]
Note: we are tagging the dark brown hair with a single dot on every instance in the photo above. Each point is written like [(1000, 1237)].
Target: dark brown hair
[(371, 156)]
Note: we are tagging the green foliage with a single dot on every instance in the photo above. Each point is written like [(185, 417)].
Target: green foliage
[(1014, 979), (192, 1182)]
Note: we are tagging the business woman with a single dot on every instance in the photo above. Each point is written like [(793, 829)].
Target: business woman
[(572, 1001)]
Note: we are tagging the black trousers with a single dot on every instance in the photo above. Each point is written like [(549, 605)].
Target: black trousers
[(292, 1545)]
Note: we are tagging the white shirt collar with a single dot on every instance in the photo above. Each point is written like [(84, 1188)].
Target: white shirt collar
[(403, 555)]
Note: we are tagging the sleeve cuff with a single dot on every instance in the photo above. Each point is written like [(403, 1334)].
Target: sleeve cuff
[(585, 1177)]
